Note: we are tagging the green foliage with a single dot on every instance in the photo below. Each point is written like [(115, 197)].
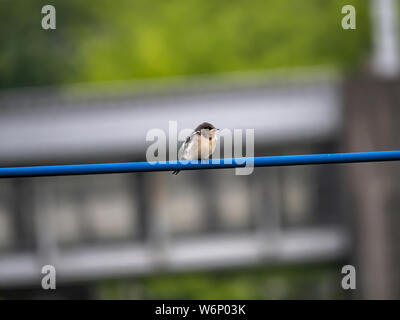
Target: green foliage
[(126, 39), (291, 282)]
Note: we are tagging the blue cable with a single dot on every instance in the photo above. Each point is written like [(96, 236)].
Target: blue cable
[(99, 168)]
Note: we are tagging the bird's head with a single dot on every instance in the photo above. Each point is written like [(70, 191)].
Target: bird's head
[(207, 129)]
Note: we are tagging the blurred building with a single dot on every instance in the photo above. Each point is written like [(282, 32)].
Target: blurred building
[(95, 227)]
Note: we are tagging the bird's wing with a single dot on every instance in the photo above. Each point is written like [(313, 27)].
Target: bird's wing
[(191, 136), (188, 147)]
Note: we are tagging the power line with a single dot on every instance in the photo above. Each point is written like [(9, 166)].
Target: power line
[(123, 167)]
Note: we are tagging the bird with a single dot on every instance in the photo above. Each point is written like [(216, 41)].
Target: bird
[(200, 144)]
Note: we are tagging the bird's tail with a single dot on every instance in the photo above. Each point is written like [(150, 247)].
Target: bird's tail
[(175, 172)]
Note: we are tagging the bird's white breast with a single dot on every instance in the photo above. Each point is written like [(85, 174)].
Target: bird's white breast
[(197, 147)]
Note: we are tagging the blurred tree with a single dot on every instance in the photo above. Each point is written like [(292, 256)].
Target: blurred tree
[(318, 281), (125, 39)]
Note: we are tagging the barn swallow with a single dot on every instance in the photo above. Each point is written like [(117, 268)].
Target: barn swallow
[(200, 144)]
